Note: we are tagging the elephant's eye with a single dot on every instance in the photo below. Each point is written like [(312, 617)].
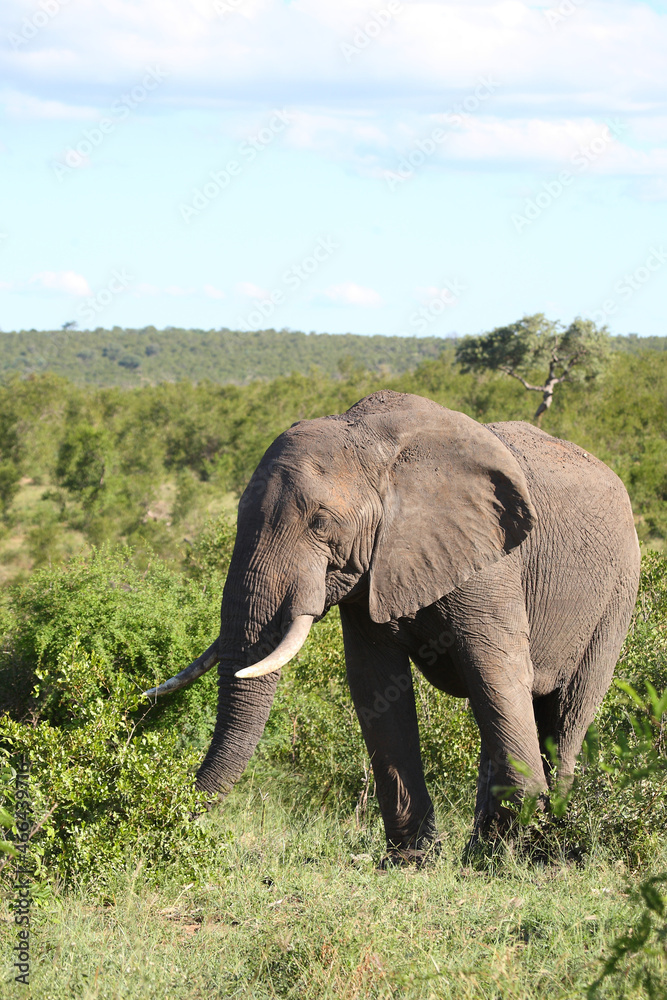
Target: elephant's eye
[(319, 525)]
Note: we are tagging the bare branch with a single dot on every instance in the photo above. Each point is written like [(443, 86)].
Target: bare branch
[(526, 385)]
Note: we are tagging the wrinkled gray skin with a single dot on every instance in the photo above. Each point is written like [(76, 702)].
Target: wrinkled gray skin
[(503, 562)]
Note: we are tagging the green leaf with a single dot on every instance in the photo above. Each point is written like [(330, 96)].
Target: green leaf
[(630, 691), (6, 819), (521, 767)]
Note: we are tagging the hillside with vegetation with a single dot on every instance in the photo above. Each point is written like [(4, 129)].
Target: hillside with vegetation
[(126, 357), (116, 525)]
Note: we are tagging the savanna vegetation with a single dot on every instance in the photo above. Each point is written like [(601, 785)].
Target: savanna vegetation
[(147, 356), (117, 528)]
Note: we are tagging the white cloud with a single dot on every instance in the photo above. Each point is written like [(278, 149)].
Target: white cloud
[(349, 294), (555, 85), (68, 282), (24, 106), (485, 142), (250, 291), (607, 54), (213, 293)]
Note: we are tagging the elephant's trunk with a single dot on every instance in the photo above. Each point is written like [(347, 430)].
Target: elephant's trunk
[(243, 709), (272, 583), (253, 618), (244, 702)]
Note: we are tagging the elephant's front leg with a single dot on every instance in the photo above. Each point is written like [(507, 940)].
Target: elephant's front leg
[(381, 684)]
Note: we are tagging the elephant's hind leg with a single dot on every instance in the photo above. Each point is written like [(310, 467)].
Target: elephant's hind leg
[(492, 651), (578, 701)]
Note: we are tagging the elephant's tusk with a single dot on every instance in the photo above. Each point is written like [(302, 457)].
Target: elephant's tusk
[(191, 673), (284, 651)]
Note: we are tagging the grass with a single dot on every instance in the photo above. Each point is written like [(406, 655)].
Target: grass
[(299, 910)]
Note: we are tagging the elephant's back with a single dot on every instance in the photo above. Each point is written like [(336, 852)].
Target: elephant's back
[(564, 478), (583, 549)]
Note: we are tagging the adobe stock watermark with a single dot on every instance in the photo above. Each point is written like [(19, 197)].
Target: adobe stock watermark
[(93, 137), (433, 308), (428, 653), (426, 147), (219, 180), (560, 12), (223, 7), (119, 282), (400, 683), (22, 887), (631, 283), (291, 279), (371, 29), (31, 26), (553, 189)]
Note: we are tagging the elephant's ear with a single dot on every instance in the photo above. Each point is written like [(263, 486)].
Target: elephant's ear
[(455, 501)]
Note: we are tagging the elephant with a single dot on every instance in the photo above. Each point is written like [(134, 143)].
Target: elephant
[(501, 561)]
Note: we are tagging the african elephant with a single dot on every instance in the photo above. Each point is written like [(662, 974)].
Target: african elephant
[(503, 562)]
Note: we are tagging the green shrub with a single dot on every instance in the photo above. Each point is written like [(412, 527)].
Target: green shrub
[(139, 626), (9, 485), (207, 558), (84, 642), (120, 793)]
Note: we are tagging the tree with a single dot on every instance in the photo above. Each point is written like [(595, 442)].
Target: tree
[(576, 353)]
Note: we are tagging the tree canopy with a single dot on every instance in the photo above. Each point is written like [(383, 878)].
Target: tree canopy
[(574, 353)]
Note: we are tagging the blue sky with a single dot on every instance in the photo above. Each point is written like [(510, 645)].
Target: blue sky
[(386, 167)]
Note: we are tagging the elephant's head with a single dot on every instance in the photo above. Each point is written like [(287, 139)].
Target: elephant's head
[(397, 501)]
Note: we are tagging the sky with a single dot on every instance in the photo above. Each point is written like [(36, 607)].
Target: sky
[(390, 166)]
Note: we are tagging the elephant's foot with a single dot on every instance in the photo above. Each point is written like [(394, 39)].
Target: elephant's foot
[(404, 857), (505, 831), (486, 843)]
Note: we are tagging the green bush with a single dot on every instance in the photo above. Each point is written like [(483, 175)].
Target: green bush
[(82, 643), (140, 626), (120, 793), (207, 558)]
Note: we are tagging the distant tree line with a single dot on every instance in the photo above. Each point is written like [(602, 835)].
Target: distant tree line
[(129, 357), (146, 356)]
